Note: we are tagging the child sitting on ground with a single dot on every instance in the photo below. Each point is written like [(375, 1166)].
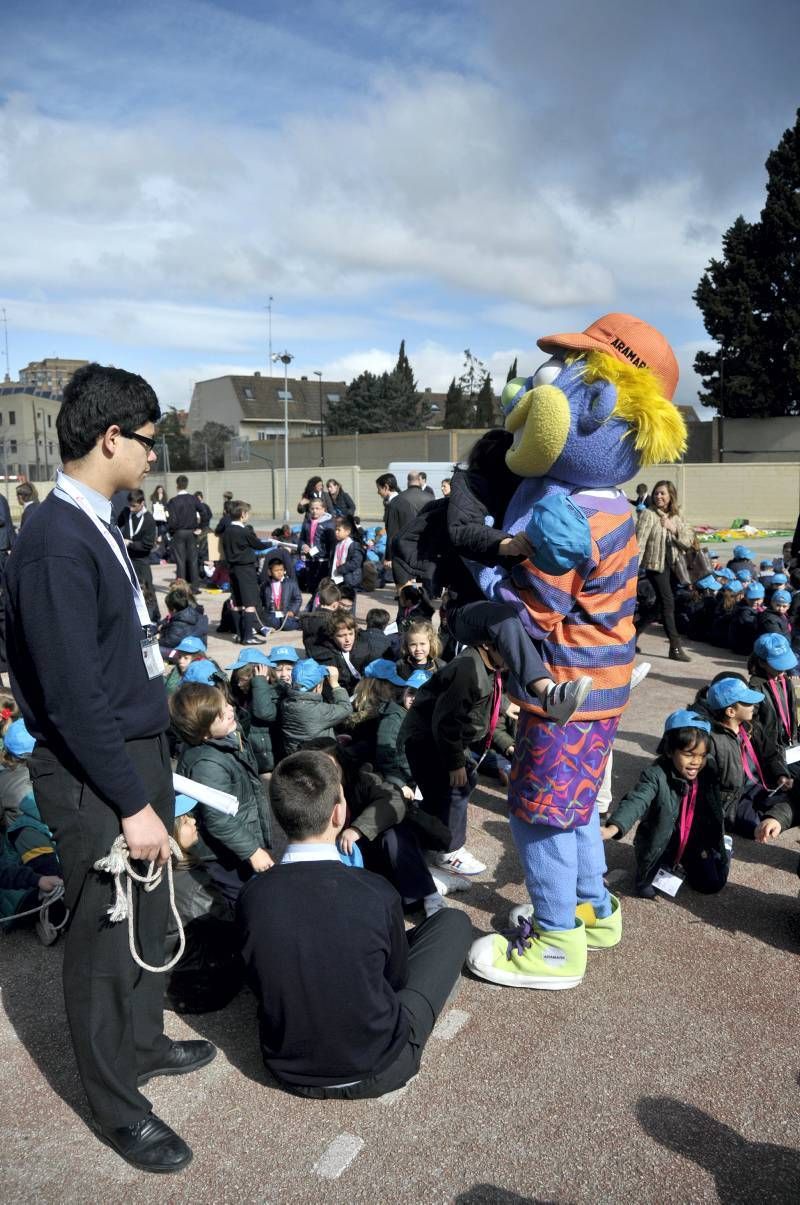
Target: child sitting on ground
[(185, 617), (378, 640), (775, 617), (190, 649), (313, 622), (678, 807), (770, 665), (744, 619), (305, 713), (281, 598), (343, 644), (316, 1039), (399, 694), (256, 699), (414, 605), (216, 755), (419, 649), (348, 553)]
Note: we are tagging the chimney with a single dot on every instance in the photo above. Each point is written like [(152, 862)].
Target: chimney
[(256, 374)]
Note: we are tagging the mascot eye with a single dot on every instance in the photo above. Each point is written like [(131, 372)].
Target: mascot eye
[(601, 398)]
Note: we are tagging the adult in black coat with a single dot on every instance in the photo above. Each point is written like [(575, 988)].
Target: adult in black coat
[(398, 512), (337, 500)]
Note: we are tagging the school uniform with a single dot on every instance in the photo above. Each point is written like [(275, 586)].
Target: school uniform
[(279, 598), (320, 537), (346, 563), (182, 522)]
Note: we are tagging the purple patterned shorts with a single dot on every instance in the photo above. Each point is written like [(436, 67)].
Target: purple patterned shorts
[(558, 769)]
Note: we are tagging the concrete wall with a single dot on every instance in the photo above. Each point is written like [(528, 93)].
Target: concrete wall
[(743, 440), (372, 451)]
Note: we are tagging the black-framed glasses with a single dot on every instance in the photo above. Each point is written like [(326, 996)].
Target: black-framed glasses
[(145, 440)]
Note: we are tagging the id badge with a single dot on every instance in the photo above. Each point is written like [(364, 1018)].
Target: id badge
[(151, 655), (278, 614), (669, 883)]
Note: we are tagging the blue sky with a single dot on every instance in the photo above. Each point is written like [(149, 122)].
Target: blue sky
[(458, 175)]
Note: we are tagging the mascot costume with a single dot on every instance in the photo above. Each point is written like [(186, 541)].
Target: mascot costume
[(595, 414)]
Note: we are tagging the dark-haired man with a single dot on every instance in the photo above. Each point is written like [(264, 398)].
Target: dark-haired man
[(396, 514), (86, 670), (138, 529), (184, 526)]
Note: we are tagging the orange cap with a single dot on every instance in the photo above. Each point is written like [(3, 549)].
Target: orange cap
[(629, 339)]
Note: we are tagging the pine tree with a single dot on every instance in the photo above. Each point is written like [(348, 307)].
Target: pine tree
[(454, 407), (512, 372), (401, 399), (750, 301), (471, 382), (360, 409), (486, 405)]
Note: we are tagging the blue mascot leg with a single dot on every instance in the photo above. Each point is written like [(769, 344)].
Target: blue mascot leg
[(592, 867), (549, 859)]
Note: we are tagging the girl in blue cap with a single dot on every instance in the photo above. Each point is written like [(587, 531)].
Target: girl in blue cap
[(776, 616), (677, 804), (744, 619)]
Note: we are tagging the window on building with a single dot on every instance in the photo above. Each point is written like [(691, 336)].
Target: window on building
[(12, 418), (12, 447), (50, 420), (262, 435), (285, 395), (49, 448), (248, 393), (333, 397)]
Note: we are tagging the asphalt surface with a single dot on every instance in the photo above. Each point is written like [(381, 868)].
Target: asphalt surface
[(670, 1074)]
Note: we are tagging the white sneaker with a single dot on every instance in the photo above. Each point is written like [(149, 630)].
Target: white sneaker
[(565, 698), (446, 884), (433, 903), (639, 674), (460, 861)]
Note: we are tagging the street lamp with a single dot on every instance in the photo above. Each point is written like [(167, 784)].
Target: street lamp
[(285, 359), (44, 445), (318, 375)]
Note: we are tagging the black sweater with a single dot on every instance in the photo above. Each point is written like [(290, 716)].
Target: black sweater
[(73, 640), (182, 513), (241, 545), (326, 954)]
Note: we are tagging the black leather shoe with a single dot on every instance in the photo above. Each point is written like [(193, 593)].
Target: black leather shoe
[(676, 653), (182, 1058), (149, 1145)]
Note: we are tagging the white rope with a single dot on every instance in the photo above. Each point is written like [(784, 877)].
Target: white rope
[(117, 863), (50, 898)]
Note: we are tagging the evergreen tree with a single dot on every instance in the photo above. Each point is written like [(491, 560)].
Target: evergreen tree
[(512, 372), (169, 429), (360, 409), (210, 441), (471, 382), (454, 407), (486, 404), (401, 399), (750, 301)]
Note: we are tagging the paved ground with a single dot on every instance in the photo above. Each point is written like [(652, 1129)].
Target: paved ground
[(671, 1074)]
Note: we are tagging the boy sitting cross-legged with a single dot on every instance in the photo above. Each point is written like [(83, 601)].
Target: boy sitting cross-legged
[(346, 998)]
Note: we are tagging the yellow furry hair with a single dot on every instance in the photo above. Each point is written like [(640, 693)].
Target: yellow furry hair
[(658, 430)]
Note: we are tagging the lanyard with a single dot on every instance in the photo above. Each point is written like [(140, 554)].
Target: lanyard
[(131, 533), (342, 551), (67, 487), (781, 703), (276, 596), (494, 707), (750, 763), (685, 822)]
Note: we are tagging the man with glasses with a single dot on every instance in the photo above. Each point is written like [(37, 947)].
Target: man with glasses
[(87, 674)]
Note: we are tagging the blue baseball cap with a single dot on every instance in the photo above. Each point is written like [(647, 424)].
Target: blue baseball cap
[(779, 579), (728, 574), (249, 657), (754, 590), (686, 719), (733, 587), (782, 598), (767, 565), (709, 583), (190, 644), (775, 649), (18, 740), (559, 532), (308, 674), (283, 652), (201, 671), (386, 670), (184, 804), (729, 691), (744, 575), (418, 678), (742, 553)]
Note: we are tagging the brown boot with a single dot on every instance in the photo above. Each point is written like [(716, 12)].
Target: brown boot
[(676, 653)]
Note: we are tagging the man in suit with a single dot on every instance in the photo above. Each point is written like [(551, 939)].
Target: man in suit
[(398, 511)]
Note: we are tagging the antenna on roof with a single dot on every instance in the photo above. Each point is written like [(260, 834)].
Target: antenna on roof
[(5, 330), (269, 312)]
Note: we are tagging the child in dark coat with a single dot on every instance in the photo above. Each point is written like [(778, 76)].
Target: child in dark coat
[(185, 617), (678, 807)]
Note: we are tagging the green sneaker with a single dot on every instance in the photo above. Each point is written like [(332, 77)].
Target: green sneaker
[(601, 932), (604, 931), (546, 959)]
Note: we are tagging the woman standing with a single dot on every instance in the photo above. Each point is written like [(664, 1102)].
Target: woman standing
[(338, 502), (158, 509), (312, 491), (663, 537)]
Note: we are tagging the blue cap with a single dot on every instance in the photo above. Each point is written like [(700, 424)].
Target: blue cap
[(686, 719), (767, 565), (308, 674), (190, 644), (418, 678), (734, 587), (18, 740), (728, 574), (775, 650), (184, 804), (283, 652), (779, 579), (742, 553), (782, 598), (559, 532), (714, 556), (744, 575), (709, 583), (384, 669), (754, 591), (729, 691), (249, 657), (201, 671)]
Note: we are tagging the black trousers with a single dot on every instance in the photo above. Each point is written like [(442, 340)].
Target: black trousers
[(244, 585), (437, 949), (499, 624), (114, 1009), (662, 584), (448, 804), (184, 546)]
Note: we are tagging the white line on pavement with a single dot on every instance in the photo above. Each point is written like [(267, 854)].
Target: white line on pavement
[(338, 1156), (447, 1027)]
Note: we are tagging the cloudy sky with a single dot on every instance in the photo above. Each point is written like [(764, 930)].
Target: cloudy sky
[(458, 174)]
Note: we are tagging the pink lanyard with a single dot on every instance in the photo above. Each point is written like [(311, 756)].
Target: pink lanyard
[(781, 703), (685, 822), (276, 596), (494, 711), (749, 756)]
